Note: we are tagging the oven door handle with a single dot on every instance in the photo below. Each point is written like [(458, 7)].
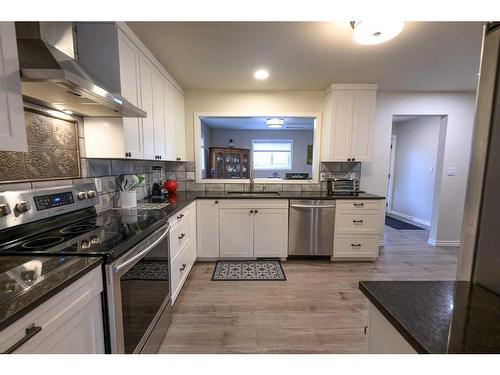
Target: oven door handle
[(137, 256)]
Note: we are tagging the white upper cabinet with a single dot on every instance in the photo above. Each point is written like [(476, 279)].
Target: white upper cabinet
[(348, 116), (12, 128), (104, 49)]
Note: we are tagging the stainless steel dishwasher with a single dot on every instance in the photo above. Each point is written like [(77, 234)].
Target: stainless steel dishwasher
[(311, 227)]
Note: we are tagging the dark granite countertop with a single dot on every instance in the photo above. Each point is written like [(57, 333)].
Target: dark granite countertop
[(28, 281), (439, 316)]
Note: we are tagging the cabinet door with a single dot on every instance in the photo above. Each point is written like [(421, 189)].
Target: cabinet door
[(271, 242), (159, 114), (12, 128), (341, 122), (170, 117), (180, 132), (146, 69), (362, 120), (236, 233), (130, 83), (207, 225)]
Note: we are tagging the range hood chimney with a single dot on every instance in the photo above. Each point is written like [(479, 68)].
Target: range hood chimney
[(50, 75)]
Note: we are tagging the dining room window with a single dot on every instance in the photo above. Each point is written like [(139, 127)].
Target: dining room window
[(272, 154)]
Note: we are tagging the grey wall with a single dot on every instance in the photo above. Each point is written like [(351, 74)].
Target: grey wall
[(416, 155), (243, 139)]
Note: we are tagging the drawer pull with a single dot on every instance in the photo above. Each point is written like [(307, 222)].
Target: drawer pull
[(182, 268), (356, 245), (31, 331), (180, 216), (359, 204), (357, 221), (181, 236)]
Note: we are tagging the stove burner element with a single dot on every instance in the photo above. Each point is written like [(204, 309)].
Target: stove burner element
[(43, 242), (78, 229), (7, 286)]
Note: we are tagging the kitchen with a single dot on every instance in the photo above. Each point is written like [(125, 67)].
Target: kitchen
[(135, 209)]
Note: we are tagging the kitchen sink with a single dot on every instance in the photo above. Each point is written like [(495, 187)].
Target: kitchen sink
[(253, 194)]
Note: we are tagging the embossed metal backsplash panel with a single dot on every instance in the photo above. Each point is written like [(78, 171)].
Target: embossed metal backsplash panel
[(52, 151)]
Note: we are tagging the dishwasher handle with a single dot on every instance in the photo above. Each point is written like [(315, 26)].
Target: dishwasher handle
[(312, 206)]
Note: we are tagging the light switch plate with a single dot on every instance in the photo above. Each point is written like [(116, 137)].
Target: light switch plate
[(322, 177), (452, 171)]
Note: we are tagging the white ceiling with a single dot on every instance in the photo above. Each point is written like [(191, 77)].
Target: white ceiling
[(426, 56), (256, 123)]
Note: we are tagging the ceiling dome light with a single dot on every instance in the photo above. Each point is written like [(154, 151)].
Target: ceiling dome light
[(369, 32), (275, 123), (261, 74)]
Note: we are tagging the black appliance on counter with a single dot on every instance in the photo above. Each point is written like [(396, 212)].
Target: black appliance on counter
[(133, 244), (296, 176)]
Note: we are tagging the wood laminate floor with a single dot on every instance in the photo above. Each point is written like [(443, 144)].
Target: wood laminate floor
[(319, 309)]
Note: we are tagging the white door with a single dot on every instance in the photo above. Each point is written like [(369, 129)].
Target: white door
[(271, 232), (180, 131), (170, 120), (390, 180), (12, 127), (207, 226), (362, 118), (342, 111), (130, 84), (236, 233), (146, 69), (159, 115)]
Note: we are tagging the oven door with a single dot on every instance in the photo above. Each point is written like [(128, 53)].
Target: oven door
[(138, 287)]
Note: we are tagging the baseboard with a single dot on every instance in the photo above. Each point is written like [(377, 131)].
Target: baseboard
[(433, 242), (427, 223)]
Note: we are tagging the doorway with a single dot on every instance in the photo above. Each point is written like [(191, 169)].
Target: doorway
[(414, 171)]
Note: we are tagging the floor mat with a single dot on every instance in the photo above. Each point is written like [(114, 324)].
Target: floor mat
[(400, 225), (248, 270)]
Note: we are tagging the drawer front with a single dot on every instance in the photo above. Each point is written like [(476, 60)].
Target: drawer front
[(364, 222), (360, 204), (180, 268), (345, 246), (179, 236), (182, 217)]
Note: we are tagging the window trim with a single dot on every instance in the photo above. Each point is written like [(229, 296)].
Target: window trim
[(276, 140)]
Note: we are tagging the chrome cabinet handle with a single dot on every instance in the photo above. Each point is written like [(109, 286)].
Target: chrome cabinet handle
[(357, 221), (182, 268), (180, 216), (181, 236), (356, 245), (31, 331)]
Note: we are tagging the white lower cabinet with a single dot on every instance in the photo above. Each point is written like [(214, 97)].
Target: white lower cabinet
[(182, 243), (249, 228), (71, 322), (383, 338), (358, 229)]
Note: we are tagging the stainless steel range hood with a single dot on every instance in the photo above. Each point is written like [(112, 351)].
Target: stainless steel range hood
[(54, 78)]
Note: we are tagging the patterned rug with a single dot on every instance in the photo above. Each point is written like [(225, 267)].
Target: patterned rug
[(248, 270)]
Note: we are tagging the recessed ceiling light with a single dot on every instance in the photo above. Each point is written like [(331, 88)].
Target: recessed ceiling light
[(261, 74), (369, 32), (67, 111), (275, 123)]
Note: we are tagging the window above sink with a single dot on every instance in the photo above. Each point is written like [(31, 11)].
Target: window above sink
[(238, 148)]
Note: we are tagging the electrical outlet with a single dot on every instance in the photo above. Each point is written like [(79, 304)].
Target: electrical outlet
[(322, 176)]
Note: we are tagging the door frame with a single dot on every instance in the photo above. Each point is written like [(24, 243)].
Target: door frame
[(390, 182)]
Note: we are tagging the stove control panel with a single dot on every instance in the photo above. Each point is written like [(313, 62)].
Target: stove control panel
[(25, 206), (44, 202)]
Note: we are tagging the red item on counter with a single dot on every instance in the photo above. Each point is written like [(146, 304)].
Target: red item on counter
[(172, 198), (170, 186)]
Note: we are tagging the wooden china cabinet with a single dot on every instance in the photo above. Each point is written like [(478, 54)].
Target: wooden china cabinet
[(229, 162)]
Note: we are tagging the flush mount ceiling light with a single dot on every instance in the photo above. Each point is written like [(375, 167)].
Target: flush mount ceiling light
[(370, 32), (261, 74), (275, 123)]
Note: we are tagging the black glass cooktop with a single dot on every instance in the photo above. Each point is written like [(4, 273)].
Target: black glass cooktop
[(96, 235)]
